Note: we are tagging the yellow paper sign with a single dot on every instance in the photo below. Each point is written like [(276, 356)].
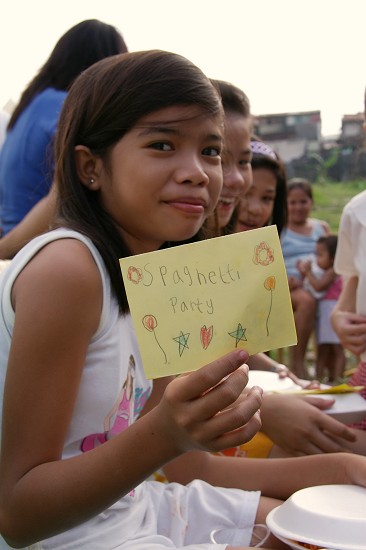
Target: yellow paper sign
[(191, 304)]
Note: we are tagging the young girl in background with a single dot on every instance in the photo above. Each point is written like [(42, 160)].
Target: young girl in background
[(298, 241), (326, 286), (236, 155), (264, 203)]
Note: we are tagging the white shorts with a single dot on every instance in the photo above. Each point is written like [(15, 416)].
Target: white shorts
[(184, 516), (164, 516)]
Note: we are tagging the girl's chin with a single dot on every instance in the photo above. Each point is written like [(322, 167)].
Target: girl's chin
[(245, 227), (224, 217)]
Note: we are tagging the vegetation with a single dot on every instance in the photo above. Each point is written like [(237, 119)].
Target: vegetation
[(330, 198)]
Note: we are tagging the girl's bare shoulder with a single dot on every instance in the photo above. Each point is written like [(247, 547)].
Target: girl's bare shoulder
[(62, 267)]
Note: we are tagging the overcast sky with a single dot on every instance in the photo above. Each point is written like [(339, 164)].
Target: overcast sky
[(287, 55)]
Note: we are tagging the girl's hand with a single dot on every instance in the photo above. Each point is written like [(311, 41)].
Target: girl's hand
[(304, 267), (298, 425), (351, 330), (201, 410), (294, 283)]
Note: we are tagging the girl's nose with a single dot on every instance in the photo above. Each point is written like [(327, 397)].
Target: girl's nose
[(253, 205), (192, 172), (236, 180)]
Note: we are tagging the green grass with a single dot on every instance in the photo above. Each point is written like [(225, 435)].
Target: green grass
[(331, 197)]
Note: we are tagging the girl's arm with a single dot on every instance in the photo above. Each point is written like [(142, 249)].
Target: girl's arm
[(58, 300), (323, 282), (276, 478), (37, 221), (349, 326)]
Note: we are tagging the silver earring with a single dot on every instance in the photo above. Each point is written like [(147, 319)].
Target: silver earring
[(92, 180)]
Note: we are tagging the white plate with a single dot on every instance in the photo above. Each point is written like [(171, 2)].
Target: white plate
[(331, 516), (270, 381), (348, 408)]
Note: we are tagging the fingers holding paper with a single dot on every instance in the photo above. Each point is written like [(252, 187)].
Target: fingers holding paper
[(201, 410)]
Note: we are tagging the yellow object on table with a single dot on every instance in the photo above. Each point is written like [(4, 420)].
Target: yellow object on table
[(341, 388)]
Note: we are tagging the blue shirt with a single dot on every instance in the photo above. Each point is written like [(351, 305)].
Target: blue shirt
[(297, 247), (26, 158)]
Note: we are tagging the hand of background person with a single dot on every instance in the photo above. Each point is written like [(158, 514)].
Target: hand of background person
[(351, 330), (294, 282), (304, 266), (284, 372), (298, 425), (201, 410)]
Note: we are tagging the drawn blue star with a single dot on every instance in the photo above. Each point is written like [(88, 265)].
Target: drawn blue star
[(238, 334), (182, 340)]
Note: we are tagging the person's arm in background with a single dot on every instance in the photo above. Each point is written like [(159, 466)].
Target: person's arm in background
[(261, 361), (37, 221), (318, 283), (326, 227), (349, 326), (299, 426), (274, 477)]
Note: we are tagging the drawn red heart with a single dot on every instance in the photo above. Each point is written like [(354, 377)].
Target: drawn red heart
[(206, 336)]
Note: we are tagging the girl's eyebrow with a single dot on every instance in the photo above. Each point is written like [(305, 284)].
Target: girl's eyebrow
[(147, 130), (169, 130)]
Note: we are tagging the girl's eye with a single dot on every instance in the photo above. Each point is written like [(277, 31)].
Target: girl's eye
[(212, 151), (268, 199), (161, 146), (244, 162)]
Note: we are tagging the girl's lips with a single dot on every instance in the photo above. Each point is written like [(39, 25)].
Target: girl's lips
[(189, 206), (226, 204)]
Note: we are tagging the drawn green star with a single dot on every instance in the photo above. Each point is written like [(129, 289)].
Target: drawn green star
[(238, 334), (182, 340)]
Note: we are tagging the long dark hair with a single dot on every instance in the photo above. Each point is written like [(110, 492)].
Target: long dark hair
[(81, 46), (277, 167), (104, 103)]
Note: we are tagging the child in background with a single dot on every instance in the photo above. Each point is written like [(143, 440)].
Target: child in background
[(298, 241), (322, 281), (236, 156), (264, 203)]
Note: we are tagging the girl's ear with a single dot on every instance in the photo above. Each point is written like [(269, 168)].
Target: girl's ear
[(88, 167)]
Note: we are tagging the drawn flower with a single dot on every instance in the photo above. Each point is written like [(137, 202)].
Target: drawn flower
[(270, 285), (134, 274), (263, 254)]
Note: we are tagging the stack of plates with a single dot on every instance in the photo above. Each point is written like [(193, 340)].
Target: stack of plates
[(329, 516)]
